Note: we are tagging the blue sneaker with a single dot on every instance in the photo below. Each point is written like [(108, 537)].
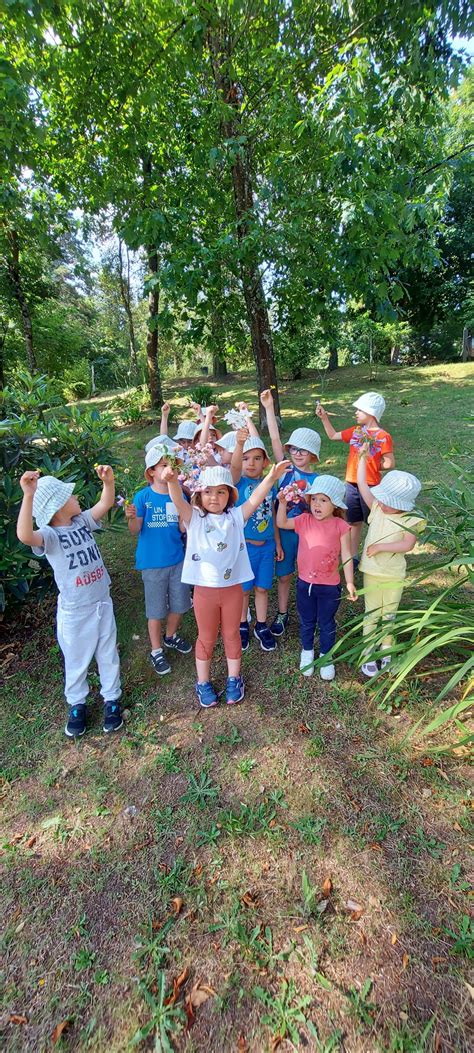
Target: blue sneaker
[(206, 695), (266, 638), (76, 721), (234, 690), (112, 717), (244, 636), (278, 627)]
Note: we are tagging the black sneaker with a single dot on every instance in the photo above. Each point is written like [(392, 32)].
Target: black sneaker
[(244, 636), (160, 663), (278, 627), (76, 722), (112, 716), (176, 643), (267, 641)]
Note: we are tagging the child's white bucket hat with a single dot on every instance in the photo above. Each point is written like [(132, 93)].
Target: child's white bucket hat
[(186, 430), (161, 440), (158, 452), (50, 495), (397, 490), (305, 439), (217, 476), (254, 442), (331, 486), (371, 403), (216, 433), (227, 441)]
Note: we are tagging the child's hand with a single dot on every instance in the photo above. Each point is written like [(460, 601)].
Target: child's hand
[(266, 398), (279, 553), (351, 591), (320, 411), (168, 474), (282, 497), (196, 407), (241, 436), (130, 511), (372, 550), (211, 411), (277, 470), (364, 450), (242, 407), (165, 409), (29, 482), (105, 472)]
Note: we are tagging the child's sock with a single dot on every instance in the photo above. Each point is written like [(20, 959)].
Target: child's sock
[(243, 625), (157, 650)]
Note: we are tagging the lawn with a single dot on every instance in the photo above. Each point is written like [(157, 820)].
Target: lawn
[(285, 874)]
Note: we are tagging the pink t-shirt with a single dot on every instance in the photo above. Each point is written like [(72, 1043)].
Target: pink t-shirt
[(319, 548)]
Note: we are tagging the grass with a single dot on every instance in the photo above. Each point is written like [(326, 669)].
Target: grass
[(170, 885)]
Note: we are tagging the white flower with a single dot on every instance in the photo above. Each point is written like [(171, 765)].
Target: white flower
[(238, 418)]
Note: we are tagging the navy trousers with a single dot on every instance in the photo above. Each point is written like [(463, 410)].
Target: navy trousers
[(317, 606)]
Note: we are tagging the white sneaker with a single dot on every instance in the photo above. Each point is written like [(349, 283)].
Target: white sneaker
[(307, 657), (327, 672), (370, 669), (386, 661)]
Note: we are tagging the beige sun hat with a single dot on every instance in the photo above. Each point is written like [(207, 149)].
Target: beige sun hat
[(397, 490), (50, 495), (217, 475)]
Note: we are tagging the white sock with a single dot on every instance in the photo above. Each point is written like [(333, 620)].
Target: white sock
[(157, 650)]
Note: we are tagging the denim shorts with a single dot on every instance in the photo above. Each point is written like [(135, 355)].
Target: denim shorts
[(289, 544), (165, 593), (357, 510), (262, 562)]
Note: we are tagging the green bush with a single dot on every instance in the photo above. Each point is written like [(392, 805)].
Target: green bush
[(67, 447), (27, 393), (131, 406), (202, 394), (76, 381)]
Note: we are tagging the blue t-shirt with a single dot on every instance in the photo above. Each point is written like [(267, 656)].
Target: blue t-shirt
[(260, 525), (160, 542), (292, 475)]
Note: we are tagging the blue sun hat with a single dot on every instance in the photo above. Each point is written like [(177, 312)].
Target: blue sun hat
[(331, 486), (186, 430), (305, 439), (162, 440), (254, 442), (227, 441)]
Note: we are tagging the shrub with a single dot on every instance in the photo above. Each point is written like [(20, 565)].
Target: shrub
[(130, 407), (202, 394), (76, 381), (27, 393)]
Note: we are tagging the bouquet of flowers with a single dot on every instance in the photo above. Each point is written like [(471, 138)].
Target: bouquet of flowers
[(200, 454), (238, 418), (361, 436), (294, 491)]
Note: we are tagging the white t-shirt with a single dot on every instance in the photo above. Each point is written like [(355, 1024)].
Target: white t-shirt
[(216, 553)]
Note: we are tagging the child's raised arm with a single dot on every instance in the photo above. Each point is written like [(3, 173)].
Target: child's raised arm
[(276, 471), (328, 428), (237, 456), (25, 531), (253, 430), (165, 412), (183, 509), (210, 411), (107, 497), (364, 490), (282, 514), (266, 398)]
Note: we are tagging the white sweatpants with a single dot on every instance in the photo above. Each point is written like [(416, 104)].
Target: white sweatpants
[(83, 634)]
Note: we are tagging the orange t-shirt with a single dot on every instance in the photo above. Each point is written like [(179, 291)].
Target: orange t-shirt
[(374, 462)]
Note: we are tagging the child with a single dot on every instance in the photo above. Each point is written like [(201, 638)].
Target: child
[(369, 409), (159, 556), (225, 447), (217, 564), (392, 532), (185, 433), (261, 535), (85, 618), (323, 540), (303, 448)]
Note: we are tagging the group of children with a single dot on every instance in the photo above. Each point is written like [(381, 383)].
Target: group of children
[(217, 518)]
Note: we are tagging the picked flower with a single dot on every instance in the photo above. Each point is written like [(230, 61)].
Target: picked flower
[(121, 501), (238, 418), (294, 491), (362, 436), (201, 454)]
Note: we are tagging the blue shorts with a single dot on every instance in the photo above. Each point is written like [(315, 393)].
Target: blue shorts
[(289, 544), (262, 562), (357, 510)]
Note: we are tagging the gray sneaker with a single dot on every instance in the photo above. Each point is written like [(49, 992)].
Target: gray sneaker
[(160, 663)]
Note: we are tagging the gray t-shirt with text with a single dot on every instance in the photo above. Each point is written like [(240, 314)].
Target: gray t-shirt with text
[(78, 567)]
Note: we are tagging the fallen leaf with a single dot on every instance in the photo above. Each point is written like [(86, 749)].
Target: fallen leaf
[(16, 1018), (276, 1041), (393, 938), (197, 870), (20, 926), (178, 982), (300, 928), (470, 989), (437, 1042), (363, 937), (456, 826), (250, 899), (405, 960), (31, 841), (427, 762), (321, 906), (352, 906), (242, 1045), (177, 904), (356, 914), (200, 994), (437, 960), (375, 847), (59, 1030), (304, 730), (327, 887)]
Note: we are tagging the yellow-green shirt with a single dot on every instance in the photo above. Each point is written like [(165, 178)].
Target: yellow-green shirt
[(387, 528)]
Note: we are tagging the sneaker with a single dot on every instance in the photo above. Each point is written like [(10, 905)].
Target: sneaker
[(160, 663), (76, 721), (386, 661), (278, 627), (249, 616), (306, 659), (327, 672), (267, 641), (206, 695), (234, 690), (112, 716), (176, 643), (370, 669), (355, 563), (244, 636)]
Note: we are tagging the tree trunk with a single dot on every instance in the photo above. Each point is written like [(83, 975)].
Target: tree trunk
[(220, 49), (466, 345), (394, 355), (15, 278), (126, 300), (154, 379), (333, 358), (219, 366)]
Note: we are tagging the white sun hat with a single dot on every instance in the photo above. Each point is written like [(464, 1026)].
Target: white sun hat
[(161, 440), (216, 433), (50, 495), (186, 430), (397, 490), (371, 403), (305, 439), (227, 441), (331, 486), (160, 451), (254, 442), (217, 476)]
